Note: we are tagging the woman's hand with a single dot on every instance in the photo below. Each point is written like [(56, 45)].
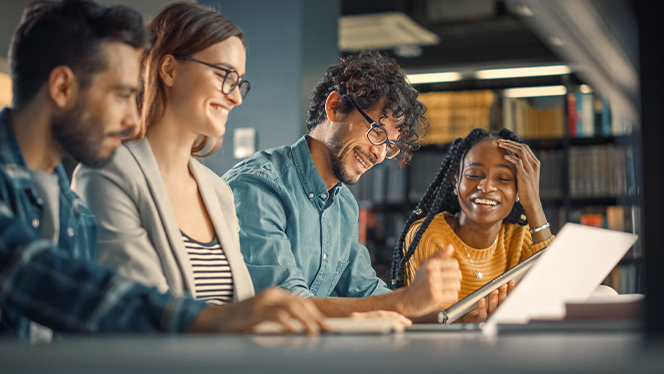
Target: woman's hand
[(527, 171), (527, 179), (486, 306), (272, 304), (382, 314)]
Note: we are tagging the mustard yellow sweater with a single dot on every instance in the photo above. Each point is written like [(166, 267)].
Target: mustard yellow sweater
[(514, 245)]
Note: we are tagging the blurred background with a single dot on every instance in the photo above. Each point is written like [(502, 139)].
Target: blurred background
[(563, 75)]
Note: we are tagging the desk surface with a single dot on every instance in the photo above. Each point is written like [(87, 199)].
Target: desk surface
[(408, 352)]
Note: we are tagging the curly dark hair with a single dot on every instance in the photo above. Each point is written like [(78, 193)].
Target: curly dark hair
[(366, 78), (439, 198)]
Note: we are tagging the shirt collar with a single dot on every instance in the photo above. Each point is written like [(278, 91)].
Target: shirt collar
[(311, 180)]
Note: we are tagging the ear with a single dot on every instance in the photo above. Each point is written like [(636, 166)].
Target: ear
[(167, 70), (332, 105), (62, 86)]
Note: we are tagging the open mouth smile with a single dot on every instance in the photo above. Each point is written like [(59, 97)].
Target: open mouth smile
[(485, 202), (220, 109), (360, 160)]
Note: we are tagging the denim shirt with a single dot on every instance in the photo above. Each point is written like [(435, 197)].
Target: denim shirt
[(296, 234), (61, 286)]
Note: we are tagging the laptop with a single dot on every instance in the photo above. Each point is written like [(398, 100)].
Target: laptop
[(568, 270)]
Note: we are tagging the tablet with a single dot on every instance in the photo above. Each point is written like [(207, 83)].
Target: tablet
[(463, 306)]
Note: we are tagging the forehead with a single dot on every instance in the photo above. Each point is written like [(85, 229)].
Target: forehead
[(487, 153), (122, 65), (228, 53)]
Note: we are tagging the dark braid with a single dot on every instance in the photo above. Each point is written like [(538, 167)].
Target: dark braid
[(439, 198)]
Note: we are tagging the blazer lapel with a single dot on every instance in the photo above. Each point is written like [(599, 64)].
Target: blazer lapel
[(145, 158), (242, 284)]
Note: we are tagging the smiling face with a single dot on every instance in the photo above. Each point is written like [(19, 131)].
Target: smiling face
[(487, 184), (104, 113), (196, 92), (351, 153)]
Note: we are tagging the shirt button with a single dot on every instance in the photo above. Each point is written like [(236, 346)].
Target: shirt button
[(70, 232), (35, 223), (324, 256), (311, 195), (323, 196)]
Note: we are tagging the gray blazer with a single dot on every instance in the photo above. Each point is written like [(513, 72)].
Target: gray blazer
[(139, 235)]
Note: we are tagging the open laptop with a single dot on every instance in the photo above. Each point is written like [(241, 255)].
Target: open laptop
[(569, 270)]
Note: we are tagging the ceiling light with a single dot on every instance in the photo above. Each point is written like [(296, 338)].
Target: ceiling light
[(535, 91), (536, 71), (450, 76), (584, 88)]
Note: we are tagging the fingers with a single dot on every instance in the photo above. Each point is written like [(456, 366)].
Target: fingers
[(510, 286), (502, 293), (383, 314), (493, 301), (446, 252), (482, 312), (283, 307)]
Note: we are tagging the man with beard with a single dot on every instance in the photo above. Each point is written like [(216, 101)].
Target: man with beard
[(298, 220), (75, 72)]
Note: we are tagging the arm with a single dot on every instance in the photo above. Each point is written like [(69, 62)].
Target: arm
[(48, 286), (528, 176), (124, 243), (438, 281)]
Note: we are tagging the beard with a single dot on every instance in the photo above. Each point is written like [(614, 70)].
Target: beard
[(81, 135), (339, 167)]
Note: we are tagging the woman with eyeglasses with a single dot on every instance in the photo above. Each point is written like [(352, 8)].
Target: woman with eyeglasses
[(165, 219)]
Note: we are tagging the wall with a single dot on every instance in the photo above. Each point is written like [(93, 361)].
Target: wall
[(290, 43)]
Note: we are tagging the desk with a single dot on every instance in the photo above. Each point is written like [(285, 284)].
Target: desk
[(410, 352)]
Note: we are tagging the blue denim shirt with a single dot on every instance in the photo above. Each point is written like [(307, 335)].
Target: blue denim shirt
[(61, 286), (296, 234)]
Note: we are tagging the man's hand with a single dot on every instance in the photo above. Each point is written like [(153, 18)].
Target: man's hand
[(486, 306), (272, 304), (382, 314), (438, 281)]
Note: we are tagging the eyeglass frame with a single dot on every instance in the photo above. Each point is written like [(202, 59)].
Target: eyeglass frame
[(373, 124), (239, 82)]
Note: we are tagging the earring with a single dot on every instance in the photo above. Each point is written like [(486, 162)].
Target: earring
[(517, 198), (454, 192)]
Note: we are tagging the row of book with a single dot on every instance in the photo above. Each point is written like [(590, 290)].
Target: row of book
[(453, 115), (602, 170), (530, 122)]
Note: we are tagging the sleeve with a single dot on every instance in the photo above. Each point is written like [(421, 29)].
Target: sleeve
[(124, 243), (263, 240), (48, 286), (359, 279)]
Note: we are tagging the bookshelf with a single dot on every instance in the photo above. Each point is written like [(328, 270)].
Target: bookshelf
[(590, 165)]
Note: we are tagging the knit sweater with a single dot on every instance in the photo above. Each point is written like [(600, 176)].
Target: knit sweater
[(514, 245)]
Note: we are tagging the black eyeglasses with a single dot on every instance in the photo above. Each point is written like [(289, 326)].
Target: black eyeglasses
[(377, 134), (231, 78)]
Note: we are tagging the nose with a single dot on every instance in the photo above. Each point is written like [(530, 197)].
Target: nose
[(485, 185), (130, 119), (235, 96), (379, 152)]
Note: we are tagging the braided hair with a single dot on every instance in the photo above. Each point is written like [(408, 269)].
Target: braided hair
[(439, 198)]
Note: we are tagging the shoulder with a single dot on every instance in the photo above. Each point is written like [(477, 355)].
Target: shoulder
[(220, 186), (268, 166), (123, 170)]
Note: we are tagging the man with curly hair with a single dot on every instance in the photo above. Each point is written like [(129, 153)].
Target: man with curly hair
[(298, 220)]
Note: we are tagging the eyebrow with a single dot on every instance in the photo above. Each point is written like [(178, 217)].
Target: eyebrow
[(481, 164), (125, 87)]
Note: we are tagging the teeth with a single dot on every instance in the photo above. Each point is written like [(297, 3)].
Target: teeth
[(485, 202), (360, 160), (220, 109)]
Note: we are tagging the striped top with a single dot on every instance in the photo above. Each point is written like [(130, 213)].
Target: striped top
[(213, 279)]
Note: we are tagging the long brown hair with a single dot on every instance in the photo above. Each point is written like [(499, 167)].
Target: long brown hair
[(179, 29)]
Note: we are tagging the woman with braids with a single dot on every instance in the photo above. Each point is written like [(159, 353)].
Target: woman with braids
[(485, 203)]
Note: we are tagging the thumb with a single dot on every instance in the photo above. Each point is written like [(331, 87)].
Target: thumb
[(445, 252)]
